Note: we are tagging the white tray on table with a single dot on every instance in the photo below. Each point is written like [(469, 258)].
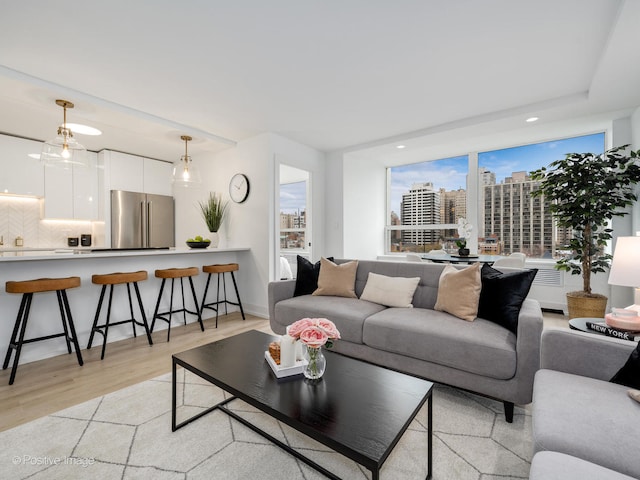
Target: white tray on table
[(281, 372)]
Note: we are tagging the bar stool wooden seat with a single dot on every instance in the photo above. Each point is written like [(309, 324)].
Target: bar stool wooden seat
[(221, 269), (173, 274), (111, 279), (27, 288)]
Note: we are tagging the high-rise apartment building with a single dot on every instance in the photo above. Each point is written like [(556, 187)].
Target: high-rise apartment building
[(420, 206), (519, 222), (453, 205)]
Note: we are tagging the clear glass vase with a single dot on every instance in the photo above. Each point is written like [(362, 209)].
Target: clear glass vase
[(317, 363)]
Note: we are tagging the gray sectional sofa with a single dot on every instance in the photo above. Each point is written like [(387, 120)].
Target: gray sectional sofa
[(480, 356), (584, 427)]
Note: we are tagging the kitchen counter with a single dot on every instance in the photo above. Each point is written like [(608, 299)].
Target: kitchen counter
[(21, 253), (31, 263)]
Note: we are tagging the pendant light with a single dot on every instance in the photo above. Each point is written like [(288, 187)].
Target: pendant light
[(185, 174), (64, 151)]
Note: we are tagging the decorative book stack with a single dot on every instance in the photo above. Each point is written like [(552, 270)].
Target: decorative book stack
[(602, 327)]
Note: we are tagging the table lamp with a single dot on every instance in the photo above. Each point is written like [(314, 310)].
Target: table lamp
[(625, 268)]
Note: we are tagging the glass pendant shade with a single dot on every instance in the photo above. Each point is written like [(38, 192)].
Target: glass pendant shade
[(185, 173), (64, 150)]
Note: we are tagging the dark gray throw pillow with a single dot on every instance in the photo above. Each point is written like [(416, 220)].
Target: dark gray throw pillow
[(307, 276), (629, 374), (502, 295)]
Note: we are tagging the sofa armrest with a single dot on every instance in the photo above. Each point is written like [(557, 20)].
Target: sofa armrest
[(279, 290), (530, 323), (582, 353)]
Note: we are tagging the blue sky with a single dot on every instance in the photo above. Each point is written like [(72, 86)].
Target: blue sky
[(451, 173), (293, 197)]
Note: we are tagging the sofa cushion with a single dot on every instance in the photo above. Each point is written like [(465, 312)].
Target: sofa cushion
[(558, 466), (390, 291), (306, 276), (459, 291), (348, 314), (479, 347), (629, 374), (337, 280), (587, 418), (502, 295)]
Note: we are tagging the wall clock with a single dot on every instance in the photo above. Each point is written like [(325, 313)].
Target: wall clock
[(239, 188)]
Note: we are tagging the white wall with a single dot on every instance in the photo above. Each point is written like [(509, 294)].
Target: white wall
[(251, 223), (365, 185), (334, 206)]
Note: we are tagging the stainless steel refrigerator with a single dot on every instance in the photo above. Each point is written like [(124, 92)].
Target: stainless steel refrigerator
[(141, 220)]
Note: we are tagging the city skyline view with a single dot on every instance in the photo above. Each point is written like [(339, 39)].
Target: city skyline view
[(293, 197), (451, 173)]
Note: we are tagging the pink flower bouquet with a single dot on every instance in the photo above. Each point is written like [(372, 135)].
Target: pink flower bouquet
[(315, 332)]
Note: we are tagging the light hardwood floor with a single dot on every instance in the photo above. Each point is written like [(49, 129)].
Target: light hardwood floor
[(49, 385)]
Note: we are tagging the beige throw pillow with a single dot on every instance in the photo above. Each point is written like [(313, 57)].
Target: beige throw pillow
[(337, 280), (459, 291), (390, 291)]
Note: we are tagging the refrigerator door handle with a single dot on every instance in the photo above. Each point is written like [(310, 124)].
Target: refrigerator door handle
[(143, 222), (149, 217)]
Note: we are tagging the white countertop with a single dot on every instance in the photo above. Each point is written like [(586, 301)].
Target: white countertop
[(13, 254)]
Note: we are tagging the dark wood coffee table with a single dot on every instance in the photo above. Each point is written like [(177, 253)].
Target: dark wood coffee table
[(357, 409)]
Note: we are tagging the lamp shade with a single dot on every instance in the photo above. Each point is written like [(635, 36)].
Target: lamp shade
[(625, 268), (64, 151), (185, 174)]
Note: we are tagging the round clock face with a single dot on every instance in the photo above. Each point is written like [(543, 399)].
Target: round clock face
[(239, 188)]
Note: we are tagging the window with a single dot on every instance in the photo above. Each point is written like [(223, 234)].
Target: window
[(426, 199)]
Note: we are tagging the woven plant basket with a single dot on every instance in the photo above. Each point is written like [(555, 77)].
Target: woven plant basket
[(582, 306)]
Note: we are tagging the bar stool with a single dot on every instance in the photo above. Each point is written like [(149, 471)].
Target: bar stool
[(173, 273), (27, 288), (112, 279), (221, 269)]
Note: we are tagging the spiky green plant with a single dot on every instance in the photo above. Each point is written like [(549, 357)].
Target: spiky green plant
[(213, 211)]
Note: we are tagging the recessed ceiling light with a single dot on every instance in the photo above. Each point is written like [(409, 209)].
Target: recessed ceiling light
[(83, 129), (400, 146), (532, 119)]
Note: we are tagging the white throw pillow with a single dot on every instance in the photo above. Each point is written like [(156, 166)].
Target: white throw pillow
[(390, 291)]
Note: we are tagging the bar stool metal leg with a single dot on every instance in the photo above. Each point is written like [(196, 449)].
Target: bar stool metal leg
[(64, 323), (95, 318), (22, 321), (72, 328), (235, 286), (195, 301), (144, 317)]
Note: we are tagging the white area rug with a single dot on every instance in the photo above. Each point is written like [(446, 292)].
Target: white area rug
[(127, 435)]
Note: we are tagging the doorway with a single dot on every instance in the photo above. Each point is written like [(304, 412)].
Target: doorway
[(294, 217)]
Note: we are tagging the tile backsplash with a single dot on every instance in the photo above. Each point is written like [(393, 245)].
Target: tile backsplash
[(20, 217)]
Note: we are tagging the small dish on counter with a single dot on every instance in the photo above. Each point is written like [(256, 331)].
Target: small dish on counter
[(198, 244)]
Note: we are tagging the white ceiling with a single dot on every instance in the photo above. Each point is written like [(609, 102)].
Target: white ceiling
[(331, 74)]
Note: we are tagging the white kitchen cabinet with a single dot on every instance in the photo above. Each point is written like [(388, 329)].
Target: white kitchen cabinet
[(58, 192), (138, 174), (72, 193), (126, 172), (157, 177), (21, 174), (85, 190)]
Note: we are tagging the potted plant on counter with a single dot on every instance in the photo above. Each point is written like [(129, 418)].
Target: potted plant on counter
[(585, 192), (213, 211)]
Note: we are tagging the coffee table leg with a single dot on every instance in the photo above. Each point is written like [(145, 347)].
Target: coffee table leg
[(430, 436), (173, 396)]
